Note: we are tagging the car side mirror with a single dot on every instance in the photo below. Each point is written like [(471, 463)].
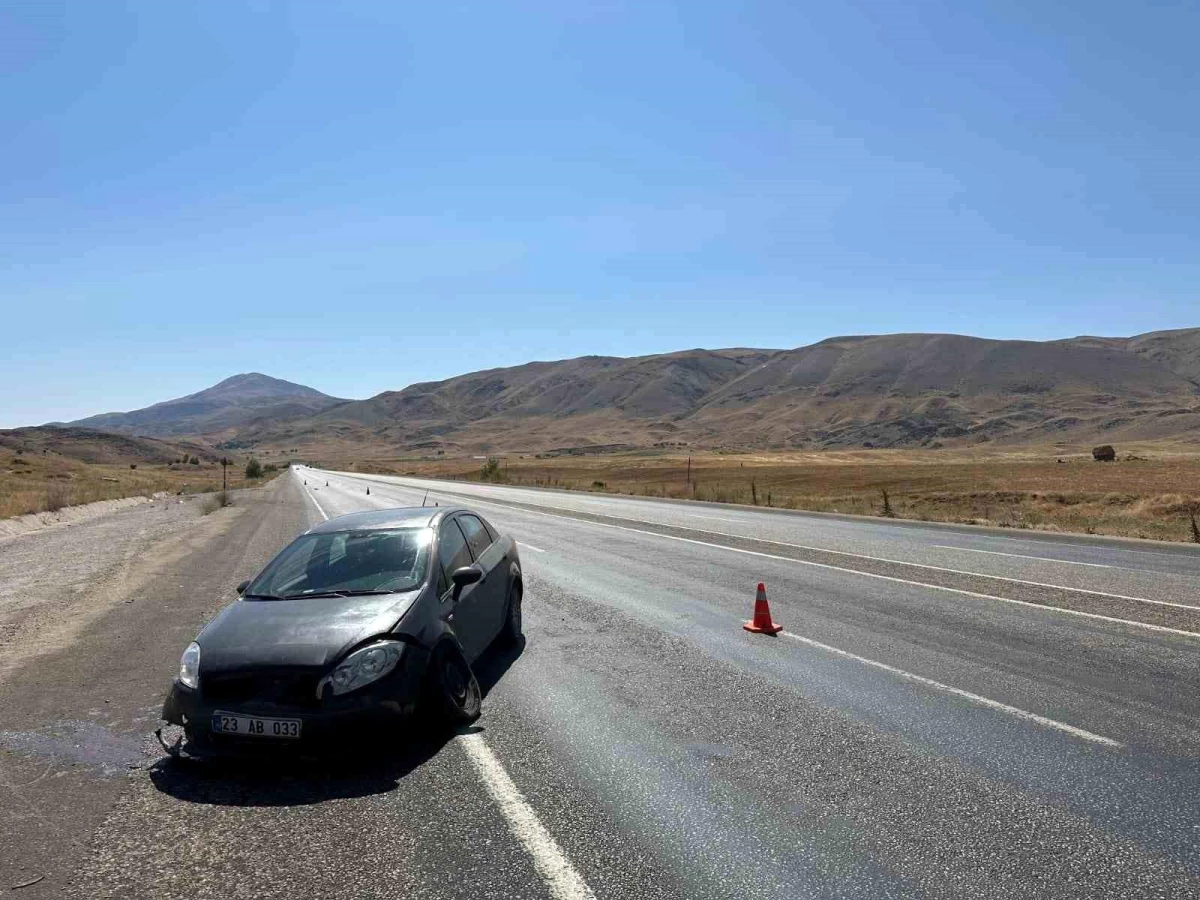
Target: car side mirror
[(241, 588), (466, 575)]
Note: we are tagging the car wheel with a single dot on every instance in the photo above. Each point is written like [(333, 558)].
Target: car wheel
[(454, 692), (510, 633)]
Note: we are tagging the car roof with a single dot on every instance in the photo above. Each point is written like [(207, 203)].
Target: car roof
[(371, 520)]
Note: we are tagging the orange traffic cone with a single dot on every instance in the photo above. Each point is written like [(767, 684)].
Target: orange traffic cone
[(761, 623)]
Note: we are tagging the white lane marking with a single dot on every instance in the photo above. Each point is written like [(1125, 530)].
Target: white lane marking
[(922, 584), (1103, 548), (895, 562), (804, 562), (1067, 562), (959, 692), (531, 547), (716, 518), (801, 514), (324, 515), (564, 882)]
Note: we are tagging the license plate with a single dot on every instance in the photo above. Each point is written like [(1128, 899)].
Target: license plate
[(255, 726)]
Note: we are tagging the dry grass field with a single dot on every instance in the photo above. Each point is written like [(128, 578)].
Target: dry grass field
[(1149, 492), (31, 483)]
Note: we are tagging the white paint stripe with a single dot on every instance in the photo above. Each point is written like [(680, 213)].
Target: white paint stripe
[(895, 562), (564, 882), (531, 547), (1099, 548), (1067, 562), (959, 692), (309, 494), (937, 587), (716, 518)]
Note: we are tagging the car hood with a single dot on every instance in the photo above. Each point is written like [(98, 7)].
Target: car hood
[(304, 632)]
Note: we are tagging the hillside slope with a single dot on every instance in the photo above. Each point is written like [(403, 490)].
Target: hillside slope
[(875, 391), (234, 402)]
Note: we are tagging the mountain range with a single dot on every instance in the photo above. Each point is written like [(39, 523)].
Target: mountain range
[(232, 403), (855, 391)]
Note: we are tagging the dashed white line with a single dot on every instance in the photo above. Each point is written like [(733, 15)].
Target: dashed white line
[(1066, 562), (531, 547), (564, 882), (959, 692)]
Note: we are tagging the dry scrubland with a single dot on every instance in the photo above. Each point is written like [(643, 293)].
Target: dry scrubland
[(1149, 492), (33, 483)]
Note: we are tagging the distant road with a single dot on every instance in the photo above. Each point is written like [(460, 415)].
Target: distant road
[(949, 711)]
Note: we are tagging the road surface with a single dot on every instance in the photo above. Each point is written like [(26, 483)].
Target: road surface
[(948, 713)]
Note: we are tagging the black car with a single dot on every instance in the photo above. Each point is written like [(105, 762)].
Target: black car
[(359, 621)]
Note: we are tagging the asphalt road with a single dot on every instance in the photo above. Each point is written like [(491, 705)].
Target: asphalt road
[(948, 713)]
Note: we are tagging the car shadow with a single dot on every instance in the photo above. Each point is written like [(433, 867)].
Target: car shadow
[(332, 775)]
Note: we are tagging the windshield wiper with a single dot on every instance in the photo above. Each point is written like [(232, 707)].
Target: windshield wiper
[(262, 597), (365, 593)]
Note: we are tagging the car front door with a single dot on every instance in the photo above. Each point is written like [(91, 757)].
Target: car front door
[(463, 611), (488, 555)]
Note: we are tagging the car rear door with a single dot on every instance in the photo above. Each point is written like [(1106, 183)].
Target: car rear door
[(464, 612), (489, 556)]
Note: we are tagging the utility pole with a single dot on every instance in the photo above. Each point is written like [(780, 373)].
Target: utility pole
[(224, 472), (689, 474)]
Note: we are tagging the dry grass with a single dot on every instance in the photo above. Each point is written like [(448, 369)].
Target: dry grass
[(1150, 496), (33, 483), (215, 501)]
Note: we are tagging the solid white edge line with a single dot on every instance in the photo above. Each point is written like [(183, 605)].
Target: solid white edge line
[(959, 692), (564, 882), (937, 587), (548, 858), (309, 494), (1050, 559), (531, 547)]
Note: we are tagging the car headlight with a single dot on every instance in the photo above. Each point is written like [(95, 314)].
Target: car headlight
[(189, 666), (362, 667)]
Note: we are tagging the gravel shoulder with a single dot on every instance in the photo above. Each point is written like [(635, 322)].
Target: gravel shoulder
[(92, 620)]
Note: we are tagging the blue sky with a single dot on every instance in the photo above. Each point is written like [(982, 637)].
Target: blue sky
[(362, 195)]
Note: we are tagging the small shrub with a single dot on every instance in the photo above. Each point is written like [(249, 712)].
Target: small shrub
[(887, 510), (57, 496), (599, 485), (215, 501), (194, 461), (133, 465), (254, 469), (490, 470)]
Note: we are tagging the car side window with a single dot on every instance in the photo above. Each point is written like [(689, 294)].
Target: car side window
[(491, 530), (452, 553), (478, 538)]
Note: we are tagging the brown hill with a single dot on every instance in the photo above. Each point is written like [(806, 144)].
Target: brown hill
[(882, 391), (97, 447), (234, 402)]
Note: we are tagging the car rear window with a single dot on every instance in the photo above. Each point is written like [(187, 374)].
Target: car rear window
[(384, 560)]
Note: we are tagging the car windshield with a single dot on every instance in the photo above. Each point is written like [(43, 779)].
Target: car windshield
[(346, 561)]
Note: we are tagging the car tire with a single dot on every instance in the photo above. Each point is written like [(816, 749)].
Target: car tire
[(454, 694), (510, 632)]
